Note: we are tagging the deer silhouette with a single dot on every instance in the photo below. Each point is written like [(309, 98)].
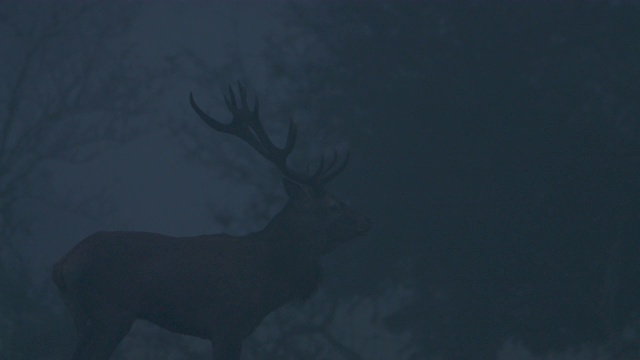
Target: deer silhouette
[(217, 287)]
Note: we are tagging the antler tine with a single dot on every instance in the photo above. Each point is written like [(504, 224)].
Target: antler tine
[(277, 153), (292, 134), (246, 125), (323, 169), (208, 119), (226, 101), (325, 172), (319, 170), (232, 127), (233, 107), (330, 174), (243, 96)]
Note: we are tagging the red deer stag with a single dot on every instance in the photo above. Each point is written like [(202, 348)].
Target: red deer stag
[(217, 287)]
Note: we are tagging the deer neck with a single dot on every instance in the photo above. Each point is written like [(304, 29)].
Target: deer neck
[(294, 252), (293, 238)]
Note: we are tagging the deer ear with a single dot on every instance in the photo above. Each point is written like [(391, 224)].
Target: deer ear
[(292, 189)]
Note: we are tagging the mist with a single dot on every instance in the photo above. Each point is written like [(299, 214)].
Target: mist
[(494, 147)]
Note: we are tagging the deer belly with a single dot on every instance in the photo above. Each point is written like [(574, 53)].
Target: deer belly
[(206, 320), (188, 319)]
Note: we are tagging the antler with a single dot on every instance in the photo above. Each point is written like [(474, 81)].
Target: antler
[(246, 125)]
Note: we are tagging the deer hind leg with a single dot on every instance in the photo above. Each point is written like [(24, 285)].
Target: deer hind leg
[(80, 320), (70, 298), (102, 341), (106, 327)]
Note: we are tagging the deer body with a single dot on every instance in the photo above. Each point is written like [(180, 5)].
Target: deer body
[(147, 276), (217, 287)]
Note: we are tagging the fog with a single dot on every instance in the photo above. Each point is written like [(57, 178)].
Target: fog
[(495, 148)]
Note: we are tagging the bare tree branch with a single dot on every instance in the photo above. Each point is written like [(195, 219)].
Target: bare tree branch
[(68, 84), (66, 71)]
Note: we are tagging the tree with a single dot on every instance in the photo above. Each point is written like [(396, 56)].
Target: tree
[(68, 84)]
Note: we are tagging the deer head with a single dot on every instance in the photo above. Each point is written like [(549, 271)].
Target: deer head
[(327, 220)]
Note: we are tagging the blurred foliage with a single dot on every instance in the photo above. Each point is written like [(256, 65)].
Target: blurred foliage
[(499, 155)]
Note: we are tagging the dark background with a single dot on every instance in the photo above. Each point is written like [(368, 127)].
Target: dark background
[(494, 144)]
